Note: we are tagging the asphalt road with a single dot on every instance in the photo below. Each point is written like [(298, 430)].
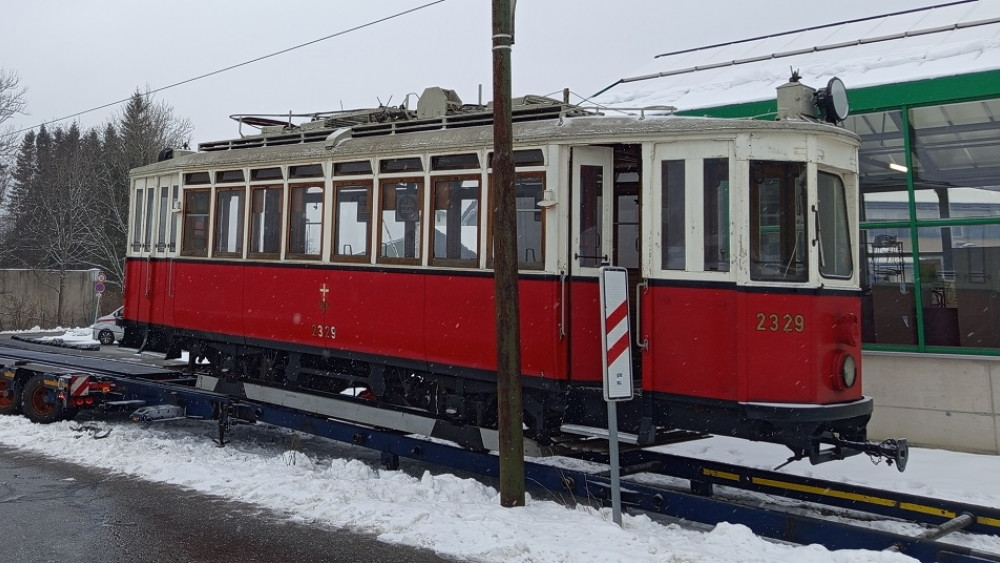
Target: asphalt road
[(57, 512)]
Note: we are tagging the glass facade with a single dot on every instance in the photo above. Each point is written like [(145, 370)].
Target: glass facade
[(930, 208)]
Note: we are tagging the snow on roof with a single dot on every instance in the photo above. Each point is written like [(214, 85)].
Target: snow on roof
[(953, 39)]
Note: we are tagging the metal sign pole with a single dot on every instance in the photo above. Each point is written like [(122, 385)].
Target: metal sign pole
[(616, 491)]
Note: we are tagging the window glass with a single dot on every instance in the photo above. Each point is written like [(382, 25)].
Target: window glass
[(305, 221), (266, 174), (229, 222), (591, 215), (195, 178), (229, 176), (161, 223), (147, 237), (195, 241), (265, 220), (834, 228), (412, 164), (778, 249), (672, 215), (172, 245), (717, 214), (455, 161), (305, 171), (530, 221), (456, 221), (881, 166), (400, 220), (353, 220), (352, 168), (888, 309), (137, 220)]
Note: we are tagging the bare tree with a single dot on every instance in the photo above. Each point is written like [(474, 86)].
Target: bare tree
[(11, 103)]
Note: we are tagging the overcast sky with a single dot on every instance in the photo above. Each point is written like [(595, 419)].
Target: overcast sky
[(73, 55)]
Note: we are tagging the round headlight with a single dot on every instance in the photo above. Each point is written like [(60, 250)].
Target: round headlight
[(848, 370)]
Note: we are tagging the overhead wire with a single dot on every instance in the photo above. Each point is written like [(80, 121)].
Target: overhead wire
[(238, 65)]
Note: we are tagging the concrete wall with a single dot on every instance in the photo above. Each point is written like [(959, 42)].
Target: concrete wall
[(29, 298), (940, 401)]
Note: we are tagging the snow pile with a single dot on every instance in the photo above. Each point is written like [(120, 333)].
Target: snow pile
[(315, 481)]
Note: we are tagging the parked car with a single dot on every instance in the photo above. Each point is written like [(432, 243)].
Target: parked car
[(106, 329)]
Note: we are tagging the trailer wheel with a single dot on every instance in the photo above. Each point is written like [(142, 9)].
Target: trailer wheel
[(36, 404), (10, 396)]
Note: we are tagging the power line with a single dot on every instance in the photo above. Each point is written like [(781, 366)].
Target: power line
[(238, 65)]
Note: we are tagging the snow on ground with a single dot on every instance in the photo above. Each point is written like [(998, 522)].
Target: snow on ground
[(456, 517), (316, 481)]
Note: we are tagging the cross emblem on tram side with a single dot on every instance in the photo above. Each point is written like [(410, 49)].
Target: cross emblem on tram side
[(323, 305)]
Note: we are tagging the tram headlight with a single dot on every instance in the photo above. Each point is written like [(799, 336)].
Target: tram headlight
[(848, 370)]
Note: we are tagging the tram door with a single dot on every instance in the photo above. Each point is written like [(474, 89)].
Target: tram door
[(162, 236), (602, 231)]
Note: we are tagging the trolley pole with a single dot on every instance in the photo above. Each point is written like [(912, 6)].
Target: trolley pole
[(509, 418)]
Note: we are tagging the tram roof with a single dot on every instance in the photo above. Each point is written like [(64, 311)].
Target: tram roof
[(589, 130)]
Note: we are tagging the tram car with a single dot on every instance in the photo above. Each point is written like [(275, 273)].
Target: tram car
[(353, 250)]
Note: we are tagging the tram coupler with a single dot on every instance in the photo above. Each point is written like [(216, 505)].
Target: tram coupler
[(892, 450)]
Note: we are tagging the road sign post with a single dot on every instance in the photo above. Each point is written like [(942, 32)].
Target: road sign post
[(617, 359)]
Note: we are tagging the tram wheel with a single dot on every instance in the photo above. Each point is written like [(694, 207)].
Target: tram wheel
[(10, 396), (36, 404)]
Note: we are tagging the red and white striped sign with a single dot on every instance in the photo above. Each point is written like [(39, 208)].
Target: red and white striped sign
[(79, 386), (616, 338)]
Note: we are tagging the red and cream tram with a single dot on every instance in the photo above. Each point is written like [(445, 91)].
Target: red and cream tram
[(353, 250)]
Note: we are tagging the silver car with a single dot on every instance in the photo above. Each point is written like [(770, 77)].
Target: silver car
[(106, 329)]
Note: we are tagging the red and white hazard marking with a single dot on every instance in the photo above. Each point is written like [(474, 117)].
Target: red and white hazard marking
[(617, 337), (79, 386)]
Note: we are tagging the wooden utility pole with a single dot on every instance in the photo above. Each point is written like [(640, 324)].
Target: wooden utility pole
[(505, 266)]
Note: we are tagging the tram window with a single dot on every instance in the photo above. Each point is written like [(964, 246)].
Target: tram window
[(195, 241), (137, 220), (528, 191), (353, 215), (352, 168), (672, 215), (161, 228), (172, 244), (591, 216), (524, 157), (833, 227), (265, 221), (262, 174), (228, 176), (229, 222), (306, 171), (456, 222), (455, 162), (197, 178), (778, 221), (717, 214), (147, 236), (305, 221), (399, 232), (389, 165)]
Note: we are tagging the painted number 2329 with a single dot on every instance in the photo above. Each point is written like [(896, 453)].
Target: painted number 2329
[(773, 322)]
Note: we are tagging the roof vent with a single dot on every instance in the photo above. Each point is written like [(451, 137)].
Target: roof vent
[(437, 102), (796, 100)]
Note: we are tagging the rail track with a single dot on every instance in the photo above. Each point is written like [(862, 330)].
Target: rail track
[(776, 505)]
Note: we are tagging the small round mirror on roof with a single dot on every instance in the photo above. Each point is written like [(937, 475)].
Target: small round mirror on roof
[(833, 101)]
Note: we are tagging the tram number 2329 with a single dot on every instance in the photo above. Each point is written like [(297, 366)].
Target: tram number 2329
[(777, 322), (323, 331)]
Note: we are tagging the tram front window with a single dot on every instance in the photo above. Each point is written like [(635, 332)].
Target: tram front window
[(833, 227), (778, 249)]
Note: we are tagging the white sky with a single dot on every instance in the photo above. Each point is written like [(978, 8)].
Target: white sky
[(76, 55)]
